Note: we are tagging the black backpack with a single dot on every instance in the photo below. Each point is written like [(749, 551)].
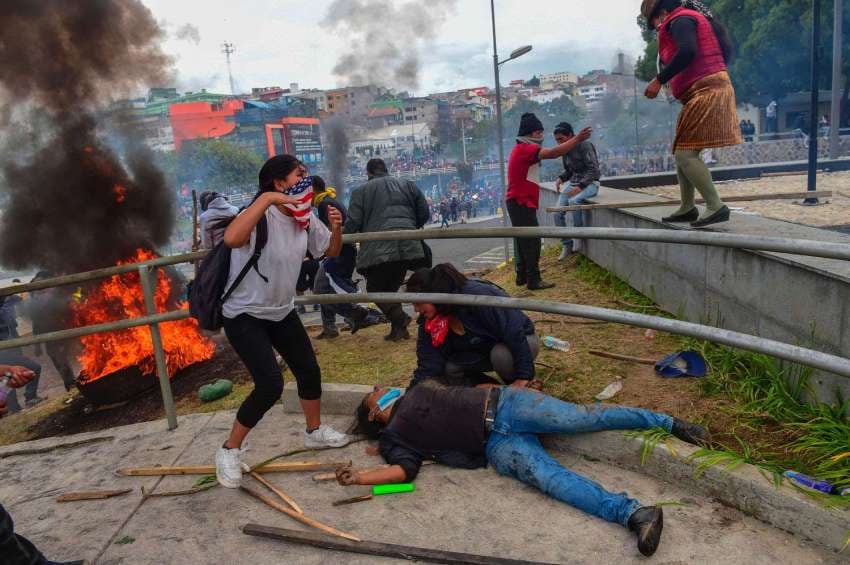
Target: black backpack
[(207, 292)]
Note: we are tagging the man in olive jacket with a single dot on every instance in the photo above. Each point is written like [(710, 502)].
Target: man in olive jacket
[(388, 204)]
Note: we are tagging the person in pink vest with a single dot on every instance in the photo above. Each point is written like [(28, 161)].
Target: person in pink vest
[(694, 49)]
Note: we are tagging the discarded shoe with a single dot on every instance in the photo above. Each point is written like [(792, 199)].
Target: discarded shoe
[(690, 216), (690, 433), (721, 215), (647, 522)]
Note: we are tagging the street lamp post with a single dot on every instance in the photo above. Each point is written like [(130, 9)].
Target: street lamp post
[(500, 126), (637, 134)]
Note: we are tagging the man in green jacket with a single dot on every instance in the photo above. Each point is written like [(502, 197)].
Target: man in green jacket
[(388, 204)]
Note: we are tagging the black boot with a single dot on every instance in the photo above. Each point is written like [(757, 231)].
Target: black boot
[(399, 331), (691, 215), (521, 279), (721, 215), (358, 320), (690, 433), (647, 522), (539, 284)]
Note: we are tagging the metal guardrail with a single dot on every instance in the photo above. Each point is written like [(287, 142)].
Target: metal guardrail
[(796, 354)]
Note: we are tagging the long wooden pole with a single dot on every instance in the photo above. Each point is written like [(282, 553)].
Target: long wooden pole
[(403, 552), (282, 495), (653, 203), (291, 467), (619, 357), (300, 517)]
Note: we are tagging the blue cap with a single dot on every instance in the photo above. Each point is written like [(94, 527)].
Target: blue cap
[(682, 364)]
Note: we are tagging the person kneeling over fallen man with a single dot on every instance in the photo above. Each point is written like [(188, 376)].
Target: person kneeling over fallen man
[(461, 343), (469, 427)]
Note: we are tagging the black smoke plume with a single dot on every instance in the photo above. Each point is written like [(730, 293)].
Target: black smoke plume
[(336, 156), (72, 198), (384, 39)]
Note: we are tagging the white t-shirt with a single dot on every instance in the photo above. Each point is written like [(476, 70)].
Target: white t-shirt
[(280, 262)]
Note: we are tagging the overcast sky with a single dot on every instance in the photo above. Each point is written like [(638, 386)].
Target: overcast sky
[(282, 41)]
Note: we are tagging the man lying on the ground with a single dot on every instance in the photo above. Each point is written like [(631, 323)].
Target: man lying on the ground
[(470, 427)]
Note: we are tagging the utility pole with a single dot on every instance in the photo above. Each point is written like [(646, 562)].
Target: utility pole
[(228, 49), (815, 98), (835, 113), (463, 137), (500, 130)]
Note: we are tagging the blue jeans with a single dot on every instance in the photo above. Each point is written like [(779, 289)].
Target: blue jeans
[(565, 200), (515, 450)]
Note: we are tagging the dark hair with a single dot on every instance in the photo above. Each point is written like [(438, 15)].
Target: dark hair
[(564, 128), (371, 429), (319, 184), (442, 278), (376, 167), (206, 197), (278, 167), (723, 37)]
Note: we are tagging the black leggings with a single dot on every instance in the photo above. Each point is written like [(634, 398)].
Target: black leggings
[(255, 341)]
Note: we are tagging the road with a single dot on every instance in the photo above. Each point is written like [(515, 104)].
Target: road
[(459, 252)]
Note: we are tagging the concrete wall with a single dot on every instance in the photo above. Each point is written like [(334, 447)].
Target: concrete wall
[(797, 300)]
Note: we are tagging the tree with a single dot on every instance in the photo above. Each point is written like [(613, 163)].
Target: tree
[(533, 81), (212, 164)]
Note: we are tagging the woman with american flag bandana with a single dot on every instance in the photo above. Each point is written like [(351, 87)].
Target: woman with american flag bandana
[(260, 316)]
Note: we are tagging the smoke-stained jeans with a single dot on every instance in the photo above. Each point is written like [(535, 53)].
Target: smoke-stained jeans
[(564, 199), (514, 449)]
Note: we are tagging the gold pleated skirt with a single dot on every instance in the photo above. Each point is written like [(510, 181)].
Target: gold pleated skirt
[(709, 117)]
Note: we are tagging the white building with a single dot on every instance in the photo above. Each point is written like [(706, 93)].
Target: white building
[(593, 93), (392, 141), (558, 78), (546, 97)]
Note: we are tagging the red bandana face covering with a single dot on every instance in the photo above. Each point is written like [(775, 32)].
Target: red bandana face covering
[(438, 327)]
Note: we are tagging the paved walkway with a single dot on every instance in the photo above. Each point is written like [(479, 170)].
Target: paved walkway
[(471, 511)]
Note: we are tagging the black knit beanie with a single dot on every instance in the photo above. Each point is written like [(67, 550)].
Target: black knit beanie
[(564, 128), (528, 124)]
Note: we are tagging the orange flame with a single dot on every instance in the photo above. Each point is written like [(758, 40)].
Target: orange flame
[(120, 193), (120, 297)]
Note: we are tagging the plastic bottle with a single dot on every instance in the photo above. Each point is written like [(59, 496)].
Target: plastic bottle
[(395, 488), (554, 343), (809, 482), (5, 389)]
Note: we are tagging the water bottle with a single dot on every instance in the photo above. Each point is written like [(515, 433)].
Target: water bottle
[(809, 482), (554, 343), (5, 389)]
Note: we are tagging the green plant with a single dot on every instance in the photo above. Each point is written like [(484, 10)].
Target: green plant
[(651, 438)]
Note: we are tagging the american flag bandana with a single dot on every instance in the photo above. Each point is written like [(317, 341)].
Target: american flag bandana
[(301, 211)]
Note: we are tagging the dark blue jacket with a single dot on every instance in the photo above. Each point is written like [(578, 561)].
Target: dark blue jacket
[(492, 325)]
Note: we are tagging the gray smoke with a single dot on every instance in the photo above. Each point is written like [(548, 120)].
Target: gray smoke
[(336, 156), (188, 32), (384, 39), (72, 199)]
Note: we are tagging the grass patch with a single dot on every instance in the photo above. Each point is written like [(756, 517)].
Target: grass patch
[(651, 438)]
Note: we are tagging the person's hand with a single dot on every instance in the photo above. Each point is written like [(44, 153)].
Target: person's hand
[(346, 475), (652, 89), (19, 375), (275, 198), (334, 218), (558, 183), (584, 134)]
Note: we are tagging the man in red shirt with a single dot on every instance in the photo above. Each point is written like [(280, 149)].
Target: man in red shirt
[(523, 194)]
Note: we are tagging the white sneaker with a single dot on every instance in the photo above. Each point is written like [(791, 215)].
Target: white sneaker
[(228, 468), (325, 436)]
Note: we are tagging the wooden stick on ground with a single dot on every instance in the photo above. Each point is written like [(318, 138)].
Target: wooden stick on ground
[(283, 496), (38, 450), (91, 495), (292, 467), (642, 361), (670, 202), (300, 517), (403, 552)]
